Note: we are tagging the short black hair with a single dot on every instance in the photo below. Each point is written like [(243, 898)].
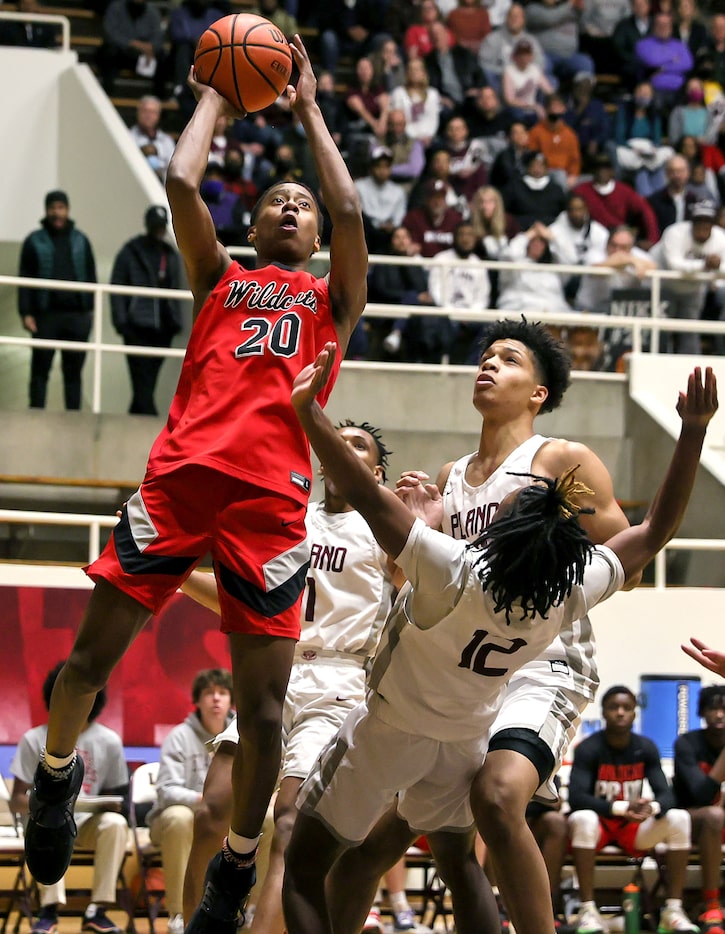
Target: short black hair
[(376, 435), (711, 696), (618, 689), (551, 357), (316, 200), (210, 677), (98, 704)]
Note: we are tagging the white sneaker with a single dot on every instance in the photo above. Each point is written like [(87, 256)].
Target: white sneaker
[(176, 924), (392, 342), (675, 919), (589, 921), (374, 922)]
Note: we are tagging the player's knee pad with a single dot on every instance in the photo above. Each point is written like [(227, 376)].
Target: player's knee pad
[(584, 829), (679, 829)]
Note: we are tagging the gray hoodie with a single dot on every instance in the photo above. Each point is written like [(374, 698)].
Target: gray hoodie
[(183, 766)]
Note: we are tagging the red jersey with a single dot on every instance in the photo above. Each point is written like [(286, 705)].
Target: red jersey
[(232, 408)]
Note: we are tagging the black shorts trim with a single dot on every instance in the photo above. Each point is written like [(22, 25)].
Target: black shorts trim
[(528, 744), (266, 603), (134, 561)]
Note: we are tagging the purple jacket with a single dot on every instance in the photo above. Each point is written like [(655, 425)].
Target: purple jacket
[(663, 62)]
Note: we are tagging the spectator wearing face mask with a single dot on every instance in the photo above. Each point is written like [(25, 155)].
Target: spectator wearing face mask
[(558, 142), (535, 196), (691, 118)]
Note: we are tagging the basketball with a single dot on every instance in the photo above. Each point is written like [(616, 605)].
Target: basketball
[(246, 59)]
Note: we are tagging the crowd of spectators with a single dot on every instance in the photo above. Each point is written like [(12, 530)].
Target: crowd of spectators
[(536, 123)]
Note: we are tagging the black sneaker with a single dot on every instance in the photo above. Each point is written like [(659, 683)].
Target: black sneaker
[(51, 831), (225, 890)]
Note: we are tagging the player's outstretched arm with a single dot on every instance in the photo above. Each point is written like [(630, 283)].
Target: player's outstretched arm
[(388, 518), (204, 257), (639, 544), (705, 656), (202, 587), (348, 249)]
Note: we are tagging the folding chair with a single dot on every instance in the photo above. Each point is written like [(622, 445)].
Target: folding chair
[(433, 893), (149, 898), (17, 897)]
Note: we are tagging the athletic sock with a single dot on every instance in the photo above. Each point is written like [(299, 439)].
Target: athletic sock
[(58, 767), (399, 901), (241, 851), (711, 897)]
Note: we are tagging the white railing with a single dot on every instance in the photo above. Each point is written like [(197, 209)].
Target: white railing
[(94, 524), (639, 327), (51, 18)]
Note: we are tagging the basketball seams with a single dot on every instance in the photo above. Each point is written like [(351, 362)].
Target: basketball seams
[(234, 67), (255, 64)]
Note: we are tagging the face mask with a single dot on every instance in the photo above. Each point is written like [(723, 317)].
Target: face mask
[(212, 189), (232, 170), (284, 165), (695, 97), (554, 117), (643, 102)]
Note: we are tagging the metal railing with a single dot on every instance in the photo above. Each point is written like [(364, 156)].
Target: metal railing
[(640, 327), (94, 524)]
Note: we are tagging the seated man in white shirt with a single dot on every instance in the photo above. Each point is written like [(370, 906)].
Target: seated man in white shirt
[(694, 245), (624, 292), (103, 830)]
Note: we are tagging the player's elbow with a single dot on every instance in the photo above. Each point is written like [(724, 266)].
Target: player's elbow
[(178, 181)]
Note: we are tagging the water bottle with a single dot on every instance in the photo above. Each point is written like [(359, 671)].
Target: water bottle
[(630, 905)]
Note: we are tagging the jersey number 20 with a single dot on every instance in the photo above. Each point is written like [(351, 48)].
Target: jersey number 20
[(282, 338)]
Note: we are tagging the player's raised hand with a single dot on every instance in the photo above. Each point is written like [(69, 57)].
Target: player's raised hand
[(424, 500), (410, 479), (200, 90), (698, 404), (313, 377), (709, 658), (306, 89)]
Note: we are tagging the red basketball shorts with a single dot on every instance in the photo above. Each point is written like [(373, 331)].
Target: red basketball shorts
[(256, 537), (617, 831)]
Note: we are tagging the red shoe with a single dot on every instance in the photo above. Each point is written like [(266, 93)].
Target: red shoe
[(712, 921)]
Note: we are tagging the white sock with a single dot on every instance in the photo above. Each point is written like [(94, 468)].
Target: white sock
[(399, 901), (58, 762), (673, 903), (242, 846)]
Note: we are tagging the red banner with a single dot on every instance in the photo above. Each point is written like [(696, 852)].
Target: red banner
[(149, 691)]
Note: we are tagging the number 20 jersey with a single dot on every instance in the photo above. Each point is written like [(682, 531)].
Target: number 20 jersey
[(232, 409)]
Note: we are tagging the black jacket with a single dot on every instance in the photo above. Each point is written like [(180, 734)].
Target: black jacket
[(466, 66), (663, 205), (139, 263)]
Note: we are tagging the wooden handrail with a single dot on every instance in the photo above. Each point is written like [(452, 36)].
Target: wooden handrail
[(35, 480)]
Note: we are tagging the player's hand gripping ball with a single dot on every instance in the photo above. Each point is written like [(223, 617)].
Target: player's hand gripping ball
[(246, 59)]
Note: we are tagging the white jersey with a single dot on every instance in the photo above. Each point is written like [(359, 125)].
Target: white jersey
[(445, 656), (348, 589), (467, 510)]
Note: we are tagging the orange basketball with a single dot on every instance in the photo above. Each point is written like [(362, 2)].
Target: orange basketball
[(246, 59)]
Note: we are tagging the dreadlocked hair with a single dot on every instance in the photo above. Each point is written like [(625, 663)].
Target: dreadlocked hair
[(376, 435), (534, 555), (551, 357)]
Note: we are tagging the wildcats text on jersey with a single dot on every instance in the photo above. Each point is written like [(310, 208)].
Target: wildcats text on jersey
[(272, 296), (471, 523)]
